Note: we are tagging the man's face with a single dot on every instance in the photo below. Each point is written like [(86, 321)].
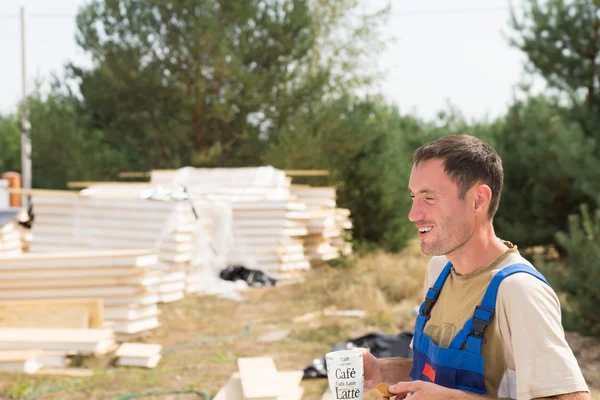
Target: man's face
[(443, 221)]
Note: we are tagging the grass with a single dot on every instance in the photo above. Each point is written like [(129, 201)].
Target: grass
[(387, 286)]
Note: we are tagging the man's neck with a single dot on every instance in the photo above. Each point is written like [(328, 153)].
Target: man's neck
[(478, 252)]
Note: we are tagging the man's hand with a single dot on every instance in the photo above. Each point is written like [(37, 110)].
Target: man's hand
[(371, 369), (427, 391)]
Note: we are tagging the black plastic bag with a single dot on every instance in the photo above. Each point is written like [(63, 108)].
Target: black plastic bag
[(381, 345), (253, 277)]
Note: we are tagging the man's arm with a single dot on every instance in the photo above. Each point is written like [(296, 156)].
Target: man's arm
[(569, 396), (431, 391)]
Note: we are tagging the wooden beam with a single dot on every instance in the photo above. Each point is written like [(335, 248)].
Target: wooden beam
[(86, 184), (43, 192), (129, 174), (306, 172), (59, 313)]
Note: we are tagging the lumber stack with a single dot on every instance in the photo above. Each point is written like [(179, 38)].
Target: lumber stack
[(99, 219), (120, 278), (268, 236), (326, 223), (267, 226), (10, 239)]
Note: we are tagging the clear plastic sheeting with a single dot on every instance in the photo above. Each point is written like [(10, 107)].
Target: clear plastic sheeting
[(266, 225)]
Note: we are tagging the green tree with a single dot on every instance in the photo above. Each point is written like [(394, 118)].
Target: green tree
[(10, 144), (363, 142), (575, 275), (561, 40), (210, 82), (536, 146), (63, 148)]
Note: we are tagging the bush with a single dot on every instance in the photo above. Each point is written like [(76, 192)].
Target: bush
[(577, 276)]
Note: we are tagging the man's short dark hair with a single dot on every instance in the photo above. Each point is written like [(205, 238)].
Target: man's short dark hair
[(467, 160)]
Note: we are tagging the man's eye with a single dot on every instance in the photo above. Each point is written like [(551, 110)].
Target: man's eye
[(429, 198)]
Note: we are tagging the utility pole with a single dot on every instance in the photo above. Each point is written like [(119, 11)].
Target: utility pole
[(25, 124)]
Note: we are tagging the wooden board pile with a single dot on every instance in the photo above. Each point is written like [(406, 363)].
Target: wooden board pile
[(327, 224), (258, 379), (100, 219), (267, 226), (120, 278), (10, 239)]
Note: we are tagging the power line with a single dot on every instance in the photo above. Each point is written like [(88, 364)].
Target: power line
[(408, 13), (38, 15), (411, 13)]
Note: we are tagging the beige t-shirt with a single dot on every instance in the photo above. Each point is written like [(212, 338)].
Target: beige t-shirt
[(526, 354)]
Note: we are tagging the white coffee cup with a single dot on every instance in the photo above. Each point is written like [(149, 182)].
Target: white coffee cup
[(345, 374)]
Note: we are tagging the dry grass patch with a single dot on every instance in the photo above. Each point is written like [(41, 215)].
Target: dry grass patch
[(194, 332)]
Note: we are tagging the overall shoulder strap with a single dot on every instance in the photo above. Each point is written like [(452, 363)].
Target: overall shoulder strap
[(474, 329), (431, 297)]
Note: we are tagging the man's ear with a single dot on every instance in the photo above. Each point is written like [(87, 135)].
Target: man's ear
[(483, 197)]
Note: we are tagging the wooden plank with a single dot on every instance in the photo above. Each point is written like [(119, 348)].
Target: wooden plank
[(141, 279), (81, 259), (149, 362), (18, 355), (60, 313), (43, 192), (130, 313), (67, 273), (138, 350), (269, 205), (32, 336), (141, 300), (133, 327), (306, 172), (85, 184), (232, 390), (259, 377), (128, 174), (57, 293), (270, 231)]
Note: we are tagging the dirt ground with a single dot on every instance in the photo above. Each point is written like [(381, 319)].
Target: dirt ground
[(203, 336)]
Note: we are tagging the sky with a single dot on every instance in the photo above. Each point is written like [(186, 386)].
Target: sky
[(444, 52)]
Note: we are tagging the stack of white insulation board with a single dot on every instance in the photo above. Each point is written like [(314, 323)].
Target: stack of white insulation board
[(229, 184), (267, 225), (326, 225), (187, 243), (102, 219), (121, 278), (10, 239)]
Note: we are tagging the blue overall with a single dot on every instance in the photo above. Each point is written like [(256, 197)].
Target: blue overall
[(455, 367)]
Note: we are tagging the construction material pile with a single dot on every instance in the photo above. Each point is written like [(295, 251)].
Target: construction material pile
[(267, 224), (101, 219), (123, 280), (327, 224), (10, 239)]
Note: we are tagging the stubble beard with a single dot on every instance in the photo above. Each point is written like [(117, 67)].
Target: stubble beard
[(444, 245)]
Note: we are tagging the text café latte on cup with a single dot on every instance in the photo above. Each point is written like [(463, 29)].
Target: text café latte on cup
[(345, 374)]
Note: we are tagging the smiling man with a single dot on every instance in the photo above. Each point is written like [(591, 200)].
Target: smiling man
[(490, 325)]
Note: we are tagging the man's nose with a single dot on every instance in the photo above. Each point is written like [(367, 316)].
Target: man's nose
[(415, 213)]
